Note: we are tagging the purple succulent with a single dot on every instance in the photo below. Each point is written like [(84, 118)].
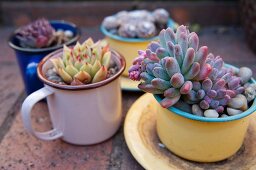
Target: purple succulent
[(35, 35), (169, 66), (217, 89)]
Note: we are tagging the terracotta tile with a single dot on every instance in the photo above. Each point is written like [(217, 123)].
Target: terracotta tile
[(20, 150)]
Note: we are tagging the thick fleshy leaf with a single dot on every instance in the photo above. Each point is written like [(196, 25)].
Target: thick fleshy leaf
[(191, 97), (146, 77), (161, 53), (196, 85), (83, 77), (64, 75), (204, 105), (201, 55), (106, 59), (234, 82), (186, 87), (100, 75), (95, 68), (160, 83), (57, 63), (71, 70), (193, 41), (171, 92), (193, 71), (87, 68), (169, 35), (149, 68), (170, 48), (153, 46), (168, 102), (207, 84), (188, 60), (204, 72), (160, 73), (211, 93), (149, 88), (178, 54), (200, 94), (78, 65), (172, 66), (183, 42), (177, 80), (162, 39), (219, 84)]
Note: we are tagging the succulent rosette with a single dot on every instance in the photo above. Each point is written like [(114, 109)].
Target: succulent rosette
[(40, 34), (83, 64), (178, 69)]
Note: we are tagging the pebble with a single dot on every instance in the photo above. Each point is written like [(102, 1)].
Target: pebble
[(196, 110), (54, 78), (224, 115), (50, 72), (69, 33), (211, 113), (250, 93), (235, 103), (244, 101), (245, 74), (233, 112)]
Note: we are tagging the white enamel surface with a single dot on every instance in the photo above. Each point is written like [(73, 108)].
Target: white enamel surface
[(86, 116), (26, 108)]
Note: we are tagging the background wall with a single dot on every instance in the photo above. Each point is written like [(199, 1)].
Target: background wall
[(91, 13)]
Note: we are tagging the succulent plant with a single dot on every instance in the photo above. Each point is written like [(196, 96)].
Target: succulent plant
[(137, 23), (40, 34), (83, 64), (178, 70), (217, 89), (169, 66)]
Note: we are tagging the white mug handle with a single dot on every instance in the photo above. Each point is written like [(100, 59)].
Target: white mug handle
[(26, 108)]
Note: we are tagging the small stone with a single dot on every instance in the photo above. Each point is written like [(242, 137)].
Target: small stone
[(50, 72), (161, 145), (69, 33), (196, 110), (249, 93), (244, 101), (54, 78), (245, 74), (224, 115), (110, 22), (235, 103), (233, 112), (211, 113)]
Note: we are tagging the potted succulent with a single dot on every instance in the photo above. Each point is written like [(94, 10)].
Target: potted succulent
[(204, 105), (37, 39), (83, 93), (129, 31)]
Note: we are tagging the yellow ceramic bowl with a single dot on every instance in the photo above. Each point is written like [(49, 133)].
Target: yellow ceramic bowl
[(201, 139), (129, 47)]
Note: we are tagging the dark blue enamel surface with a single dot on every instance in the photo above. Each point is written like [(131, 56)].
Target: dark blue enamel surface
[(29, 58)]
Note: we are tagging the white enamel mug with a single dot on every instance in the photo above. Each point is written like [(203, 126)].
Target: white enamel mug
[(82, 115)]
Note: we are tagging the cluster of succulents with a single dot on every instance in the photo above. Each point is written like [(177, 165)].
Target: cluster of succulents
[(40, 34), (137, 23), (85, 63), (178, 70)]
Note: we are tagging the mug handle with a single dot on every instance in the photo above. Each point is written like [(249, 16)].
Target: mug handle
[(26, 108)]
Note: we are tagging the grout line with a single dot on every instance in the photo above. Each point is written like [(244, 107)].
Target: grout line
[(8, 122)]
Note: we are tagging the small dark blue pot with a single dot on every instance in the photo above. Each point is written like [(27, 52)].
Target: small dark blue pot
[(28, 58)]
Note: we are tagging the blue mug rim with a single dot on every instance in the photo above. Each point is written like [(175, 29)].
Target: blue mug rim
[(207, 119), (34, 50), (170, 24)]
